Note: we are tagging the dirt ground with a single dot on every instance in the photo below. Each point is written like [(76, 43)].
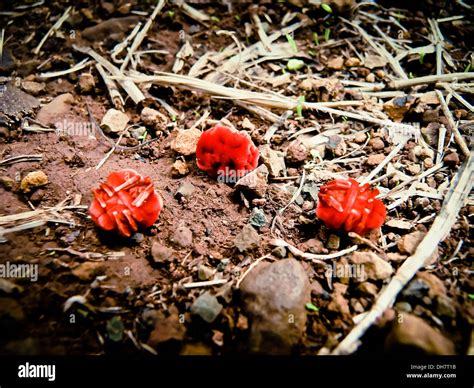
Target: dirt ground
[(134, 301)]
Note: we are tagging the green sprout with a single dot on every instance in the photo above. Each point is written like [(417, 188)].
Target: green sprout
[(238, 18), (316, 38), (422, 56), (410, 75), (311, 307), (215, 19), (326, 7), (468, 68), (327, 33), (143, 136), (471, 296), (299, 107), (294, 64), (171, 14), (292, 42), (173, 118)]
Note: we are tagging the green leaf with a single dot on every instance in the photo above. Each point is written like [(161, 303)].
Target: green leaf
[(327, 34), (237, 17), (299, 107), (316, 38), (215, 19), (292, 43), (326, 7), (115, 329), (468, 68), (171, 14), (422, 57), (471, 296), (294, 64), (311, 307)]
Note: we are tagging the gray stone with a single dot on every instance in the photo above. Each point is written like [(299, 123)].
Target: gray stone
[(255, 182), (161, 253), (274, 160), (185, 190), (373, 266), (247, 239), (204, 272), (274, 297), (257, 218), (207, 307), (183, 237)]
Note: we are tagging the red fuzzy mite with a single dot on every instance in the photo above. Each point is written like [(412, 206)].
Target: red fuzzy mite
[(126, 201), (222, 151), (343, 204)]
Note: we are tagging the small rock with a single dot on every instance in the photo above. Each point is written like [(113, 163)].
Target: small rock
[(451, 159), (435, 284), (431, 133), (186, 141), (33, 88), (207, 307), (415, 290), (370, 77), (373, 266), (373, 61), (247, 124), (360, 137), (204, 272), (444, 307), (4, 132), (396, 257), (88, 270), (313, 246), (397, 107), (375, 160), (114, 121), (161, 253), (255, 182), (37, 196), (167, 329), (408, 243), (225, 292), (336, 63), (339, 304), (410, 334), (183, 237), (32, 180), (151, 117), (367, 288), (137, 132), (86, 83), (179, 168), (414, 169), (257, 218), (296, 153), (279, 252), (7, 182), (428, 163), (274, 160), (185, 190), (337, 145), (352, 62), (399, 224), (247, 239), (50, 113), (377, 144), (333, 242), (403, 307), (274, 297)]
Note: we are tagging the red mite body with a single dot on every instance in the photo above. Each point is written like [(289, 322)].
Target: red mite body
[(222, 151), (124, 202), (343, 204)]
